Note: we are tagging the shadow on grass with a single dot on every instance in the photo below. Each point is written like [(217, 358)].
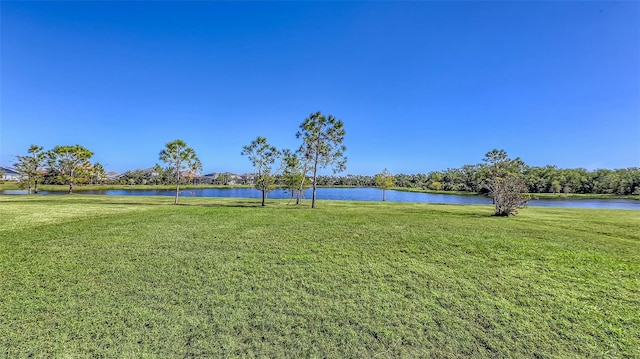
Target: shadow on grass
[(239, 204), (135, 203)]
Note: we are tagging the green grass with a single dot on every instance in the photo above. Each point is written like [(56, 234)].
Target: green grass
[(94, 276), (6, 185)]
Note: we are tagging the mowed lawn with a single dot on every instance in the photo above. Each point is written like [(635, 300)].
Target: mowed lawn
[(118, 277)]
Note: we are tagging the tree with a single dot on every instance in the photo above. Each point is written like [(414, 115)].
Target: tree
[(195, 168), (30, 167), (505, 182), (224, 178), (304, 163), (384, 181), (179, 158), (156, 173), (322, 138), (262, 155), (70, 163), (293, 174), (97, 173)]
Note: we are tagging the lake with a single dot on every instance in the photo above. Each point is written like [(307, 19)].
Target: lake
[(362, 194)]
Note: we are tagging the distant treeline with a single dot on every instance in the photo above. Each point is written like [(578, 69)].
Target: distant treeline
[(549, 179), (468, 178)]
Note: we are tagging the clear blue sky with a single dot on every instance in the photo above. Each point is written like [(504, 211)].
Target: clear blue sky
[(420, 86)]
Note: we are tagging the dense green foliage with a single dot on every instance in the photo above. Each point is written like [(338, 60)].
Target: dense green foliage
[(469, 178), (69, 164), (93, 276), (549, 179)]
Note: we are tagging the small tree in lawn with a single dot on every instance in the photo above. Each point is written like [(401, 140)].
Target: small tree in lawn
[(262, 155), (505, 182), (179, 158), (298, 165), (384, 181), (293, 174), (30, 167), (322, 138), (71, 163)]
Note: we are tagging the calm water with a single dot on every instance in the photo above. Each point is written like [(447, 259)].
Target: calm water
[(363, 194)]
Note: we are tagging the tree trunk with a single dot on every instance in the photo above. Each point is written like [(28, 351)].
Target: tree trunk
[(291, 199), (264, 195), (315, 171), (299, 195), (177, 187), (383, 195), (35, 185), (71, 178)]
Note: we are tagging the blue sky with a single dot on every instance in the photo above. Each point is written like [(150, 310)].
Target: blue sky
[(420, 86)]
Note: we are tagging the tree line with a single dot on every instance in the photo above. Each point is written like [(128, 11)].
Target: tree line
[(546, 179), (322, 146), (468, 178), (321, 136), (68, 165)]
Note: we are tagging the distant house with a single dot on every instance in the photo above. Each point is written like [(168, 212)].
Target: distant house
[(208, 178), (9, 174), (228, 178), (112, 175), (248, 178)]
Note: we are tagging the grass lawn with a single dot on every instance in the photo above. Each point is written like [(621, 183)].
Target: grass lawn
[(100, 276)]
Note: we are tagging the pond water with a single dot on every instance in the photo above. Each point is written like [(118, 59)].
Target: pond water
[(362, 194)]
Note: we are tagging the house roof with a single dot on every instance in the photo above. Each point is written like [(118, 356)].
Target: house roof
[(9, 170)]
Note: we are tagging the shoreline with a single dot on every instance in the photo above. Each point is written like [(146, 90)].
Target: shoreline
[(82, 188)]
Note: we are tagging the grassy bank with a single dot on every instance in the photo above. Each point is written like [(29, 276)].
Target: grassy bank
[(80, 188), (5, 185), (86, 276)]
